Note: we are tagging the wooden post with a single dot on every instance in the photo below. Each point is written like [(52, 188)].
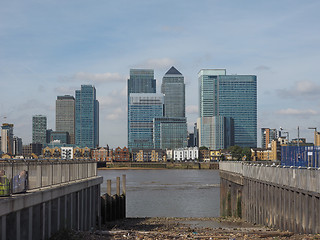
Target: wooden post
[(118, 200), (124, 196), (108, 202)]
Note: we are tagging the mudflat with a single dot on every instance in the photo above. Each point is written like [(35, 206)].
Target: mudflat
[(186, 228)]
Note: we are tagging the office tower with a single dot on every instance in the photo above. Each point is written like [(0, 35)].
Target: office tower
[(267, 135), (39, 127), (173, 89), (143, 108), (17, 146), (141, 81), (87, 117), (65, 116), (216, 132), (7, 138), (169, 133), (230, 96)]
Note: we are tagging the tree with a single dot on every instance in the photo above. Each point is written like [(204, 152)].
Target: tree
[(203, 148), (236, 152), (246, 152)]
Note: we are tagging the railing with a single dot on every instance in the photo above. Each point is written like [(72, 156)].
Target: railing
[(297, 177), (44, 173)]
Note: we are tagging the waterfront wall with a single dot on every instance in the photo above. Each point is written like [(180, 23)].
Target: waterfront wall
[(278, 197), (60, 195)]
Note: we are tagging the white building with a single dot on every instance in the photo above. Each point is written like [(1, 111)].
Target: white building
[(189, 153), (169, 154), (67, 152)]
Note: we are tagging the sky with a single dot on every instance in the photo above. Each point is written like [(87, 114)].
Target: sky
[(50, 48)]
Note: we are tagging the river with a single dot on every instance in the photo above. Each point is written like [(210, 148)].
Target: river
[(168, 193)]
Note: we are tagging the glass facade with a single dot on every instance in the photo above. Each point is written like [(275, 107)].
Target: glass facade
[(141, 81), (233, 97), (143, 108), (173, 88), (238, 99), (65, 116), (87, 117), (169, 133), (39, 128)]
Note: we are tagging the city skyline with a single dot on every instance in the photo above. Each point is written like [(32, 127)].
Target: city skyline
[(274, 40)]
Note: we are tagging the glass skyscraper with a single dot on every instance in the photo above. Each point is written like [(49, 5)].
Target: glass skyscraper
[(173, 88), (233, 97), (87, 117), (39, 128), (140, 81), (169, 133), (143, 108), (65, 116)]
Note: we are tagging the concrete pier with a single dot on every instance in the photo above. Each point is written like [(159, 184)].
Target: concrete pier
[(57, 195), (279, 197)]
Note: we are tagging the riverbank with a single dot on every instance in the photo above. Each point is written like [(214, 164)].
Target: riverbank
[(164, 165), (184, 228)]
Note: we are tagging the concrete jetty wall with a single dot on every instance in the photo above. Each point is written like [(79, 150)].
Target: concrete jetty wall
[(59, 195), (279, 197)]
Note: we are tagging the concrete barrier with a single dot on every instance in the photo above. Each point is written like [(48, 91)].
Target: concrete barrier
[(280, 197)]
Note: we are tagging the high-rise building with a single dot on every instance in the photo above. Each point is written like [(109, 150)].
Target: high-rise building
[(173, 88), (267, 135), (87, 117), (141, 81), (7, 138), (39, 127), (17, 146), (216, 132), (65, 116), (169, 133), (142, 109), (230, 96)]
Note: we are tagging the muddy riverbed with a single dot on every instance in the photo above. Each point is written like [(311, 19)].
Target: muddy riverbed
[(183, 228)]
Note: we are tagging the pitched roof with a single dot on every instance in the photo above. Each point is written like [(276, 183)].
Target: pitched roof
[(173, 71)]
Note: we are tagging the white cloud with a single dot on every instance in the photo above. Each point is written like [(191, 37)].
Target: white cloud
[(192, 109), (262, 68), (98, 77), (304, 89), (157, 63), (117, 114), (291, 111)]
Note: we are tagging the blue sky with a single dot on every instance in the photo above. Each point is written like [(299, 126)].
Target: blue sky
[(50, 47)]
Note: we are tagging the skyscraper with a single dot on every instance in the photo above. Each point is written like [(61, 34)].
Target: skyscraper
[(233, 97), (173, 88), (143, 108), (39, 128), (7, 138), (140, 81), (170, 131), (65, 116), (87, 117)]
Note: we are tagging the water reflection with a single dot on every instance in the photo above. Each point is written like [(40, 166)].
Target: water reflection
[(169, 193)]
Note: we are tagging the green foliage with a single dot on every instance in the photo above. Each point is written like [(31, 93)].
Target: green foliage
[(203, 148), (238, 153)]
